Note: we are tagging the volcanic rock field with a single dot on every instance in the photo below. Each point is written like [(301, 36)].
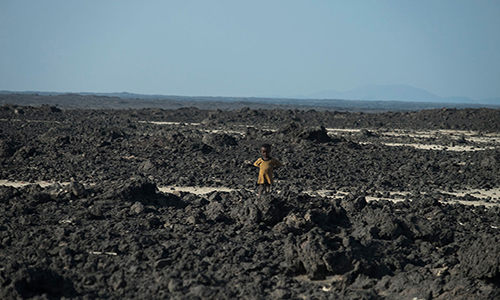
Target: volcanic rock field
[(159, 204)]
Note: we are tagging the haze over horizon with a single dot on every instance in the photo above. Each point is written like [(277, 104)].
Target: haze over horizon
[(250, 49)]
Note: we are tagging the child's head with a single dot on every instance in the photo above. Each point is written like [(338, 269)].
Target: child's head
[(265, 150)]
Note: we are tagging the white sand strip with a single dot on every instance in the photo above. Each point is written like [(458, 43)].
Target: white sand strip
[(194, 190), (29, 121), (477, 193), (458, 148), (170, 123), (196, 124), (16, 184)]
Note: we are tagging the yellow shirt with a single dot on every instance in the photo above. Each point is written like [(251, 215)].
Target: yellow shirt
[(266, 169)]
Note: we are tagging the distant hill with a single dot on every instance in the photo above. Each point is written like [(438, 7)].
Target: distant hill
[(367, 98), (396, 92)]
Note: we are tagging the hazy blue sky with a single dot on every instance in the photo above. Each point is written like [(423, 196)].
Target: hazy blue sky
[(250, 48)]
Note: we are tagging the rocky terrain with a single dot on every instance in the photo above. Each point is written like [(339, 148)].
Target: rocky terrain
[(366, 206)]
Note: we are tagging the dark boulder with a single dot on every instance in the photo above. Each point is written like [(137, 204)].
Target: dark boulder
[(216, 140)]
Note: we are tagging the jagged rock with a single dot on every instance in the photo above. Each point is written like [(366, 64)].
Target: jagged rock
[(216, 140)]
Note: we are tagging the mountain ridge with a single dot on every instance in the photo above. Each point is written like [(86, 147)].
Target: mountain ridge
[(396, 92)]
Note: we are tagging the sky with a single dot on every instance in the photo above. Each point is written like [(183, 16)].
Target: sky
[(250, 48)]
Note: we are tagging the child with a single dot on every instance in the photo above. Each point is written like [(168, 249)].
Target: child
[(266, 165)]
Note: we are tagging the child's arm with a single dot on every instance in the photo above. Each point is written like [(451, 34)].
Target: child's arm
[(258, 162)]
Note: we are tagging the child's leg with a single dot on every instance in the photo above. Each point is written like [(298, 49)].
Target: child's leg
[(261, 189), (264, 188)]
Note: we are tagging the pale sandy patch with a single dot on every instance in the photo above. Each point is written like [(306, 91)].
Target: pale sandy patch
[(481, 194), (342, 130), (473, 203), (477, 193), (325, 283), (170, 123), (452, 201), (458, 148), (456, 135), (194, 190), (30, 121), (17, 184), (227, 131), (474, 136), (327, 193)]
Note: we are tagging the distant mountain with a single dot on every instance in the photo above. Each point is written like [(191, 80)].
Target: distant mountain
[(396, 92)]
